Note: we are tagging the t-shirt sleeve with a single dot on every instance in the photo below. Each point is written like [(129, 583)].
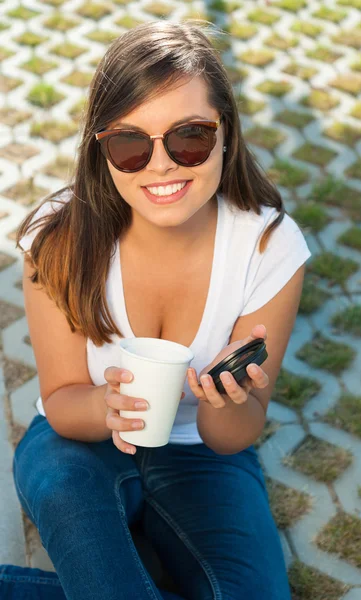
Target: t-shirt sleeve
[(268, 273)]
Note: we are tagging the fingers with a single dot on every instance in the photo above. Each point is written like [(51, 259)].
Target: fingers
[(123, 402), (114, 376), (208, 392), (115, 422), (257, 376)]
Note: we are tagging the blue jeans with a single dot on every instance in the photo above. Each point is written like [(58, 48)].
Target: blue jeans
[(207, 516)]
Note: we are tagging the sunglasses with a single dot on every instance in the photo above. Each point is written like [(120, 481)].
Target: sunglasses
[(188, 145)]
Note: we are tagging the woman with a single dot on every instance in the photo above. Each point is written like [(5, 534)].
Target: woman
[(171, 230)]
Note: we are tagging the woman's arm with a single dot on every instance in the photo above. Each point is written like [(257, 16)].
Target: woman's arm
[(233, 427)]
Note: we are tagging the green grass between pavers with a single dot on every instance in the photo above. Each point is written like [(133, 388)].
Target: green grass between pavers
[(323, 54), (342, 536), (55, 3), (353, 3), (332, 267), (225, 7), (356, 111), (356, 66), (53, 130), (267, 137), (16, 373), (9, 313), (343, 132), (6, 260), (4, 53), (294, 119), (127, 22), (248, 106), (103, 36), (38, 66), (21, 12), (348, 37), (268, 430), (314, 154), (354, 170), (319, 459), (78, 109), (44, 95), (351, 238), (323, 353), (60, 22), (294, 390), (275, 88), (312, 297), (9, 83), (335, 16), (301, 71), (158, 9), (258, 58), (346, 414), (285, 173), (348, 320), (308, 583), (311, 216), (291, 5), (307, 28), (4, 26), (280, 42), (25, 192), (95, 10), (62, 168), (265, 17), (320, 99), (243, 31), (11, 116), (78, 78), (287, 504), (28, 38), (347, 83), (334, 191), (68, 50), (236, 75)]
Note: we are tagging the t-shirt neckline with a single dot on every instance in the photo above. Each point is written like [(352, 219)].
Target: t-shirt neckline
[(118, 299)]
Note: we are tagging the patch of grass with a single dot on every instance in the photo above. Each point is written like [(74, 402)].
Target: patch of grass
[(334, 268), (307, 28), (248, 106), (300, 71), (103, 36), (25, 192), (293, 390), (68, 50), (9, 83), (62, 168), (355, 170), (307, 583), (312, 297), (286, 174), (318, 155), (311, 216), (60, 22), (78, 78), (56, 3), (353, 3), (53, 130), (320, 99), (351, 238), (350, 83), (21, 12), (342, 536), (234, 74), (349, 37), (6, 260), (335, 16), (291, 5), (265, 17), (225, 7), (259, 58), (333, 191), (78, 109), (323, 54), (275, 88), (11, 116), (243, 31), (17, 373), (38, 66), (319, 459), (356, 111), (159, 9), (93, 10), (128, 22), (280, 42), (343, 132), (287, 505), (323, 353), (28, 38), (346, 414), (44, 95), (4, 53), (269, 429), (348, 320), (294, 119), (267, 137)]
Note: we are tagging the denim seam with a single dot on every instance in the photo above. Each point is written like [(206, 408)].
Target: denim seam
[(26, 503), (29, 579), (133, 550), (185, 539)]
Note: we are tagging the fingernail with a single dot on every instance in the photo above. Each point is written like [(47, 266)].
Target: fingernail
[(252, 369), (142, 405), (206, 380), (137, 425), (126, 376), (226, 377)]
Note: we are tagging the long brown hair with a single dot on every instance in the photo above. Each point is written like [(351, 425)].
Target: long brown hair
[(72, 250)]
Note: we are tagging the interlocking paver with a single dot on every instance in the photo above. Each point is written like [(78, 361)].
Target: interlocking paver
[(328, 94)]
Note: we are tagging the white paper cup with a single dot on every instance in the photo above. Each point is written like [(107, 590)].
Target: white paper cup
[(159, 368)]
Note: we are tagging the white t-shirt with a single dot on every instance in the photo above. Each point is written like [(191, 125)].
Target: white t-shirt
[(242, 281)]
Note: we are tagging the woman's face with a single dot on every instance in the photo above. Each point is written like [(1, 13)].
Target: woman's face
[(156, 117)]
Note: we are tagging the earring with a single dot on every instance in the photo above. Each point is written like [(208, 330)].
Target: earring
[(224, 148)]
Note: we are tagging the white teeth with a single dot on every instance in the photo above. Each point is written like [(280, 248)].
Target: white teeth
[(167, 190)]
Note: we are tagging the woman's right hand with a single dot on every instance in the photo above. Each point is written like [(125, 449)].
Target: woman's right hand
[(115, 402)]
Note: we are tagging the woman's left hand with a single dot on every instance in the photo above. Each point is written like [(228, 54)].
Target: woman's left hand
[(235, 392)]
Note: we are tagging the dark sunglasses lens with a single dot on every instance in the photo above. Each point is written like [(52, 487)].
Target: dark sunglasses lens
[(129, 150), (191, 144)]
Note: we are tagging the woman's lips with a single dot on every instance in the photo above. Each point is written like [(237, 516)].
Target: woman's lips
[(170, 198)]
